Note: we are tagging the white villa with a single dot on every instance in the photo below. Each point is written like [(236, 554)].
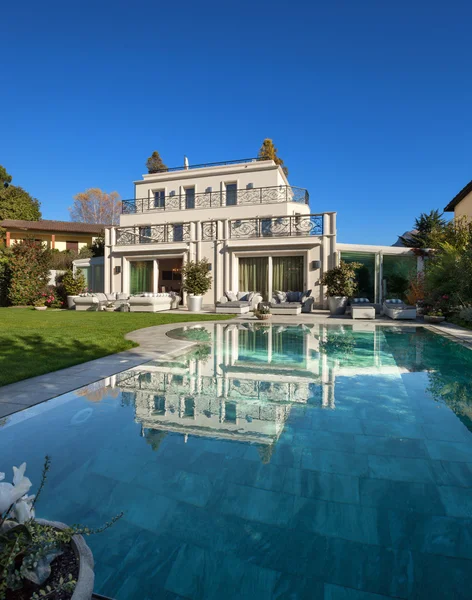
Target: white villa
[(256, 230)]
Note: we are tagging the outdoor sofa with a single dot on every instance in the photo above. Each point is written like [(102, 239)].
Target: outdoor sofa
[(397, 309), (145, 302), (238, 303), (98, 300), (148, 302), (291, 303)]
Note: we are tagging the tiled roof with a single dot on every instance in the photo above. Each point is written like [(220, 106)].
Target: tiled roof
[(53, 226), (460, 196)]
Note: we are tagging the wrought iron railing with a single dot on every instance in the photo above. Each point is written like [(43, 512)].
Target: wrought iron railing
[(240, 161), (290, 226), (217, 199), (153, 234), (286, 226)]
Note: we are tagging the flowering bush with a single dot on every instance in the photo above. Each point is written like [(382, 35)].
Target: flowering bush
[(29, 272)]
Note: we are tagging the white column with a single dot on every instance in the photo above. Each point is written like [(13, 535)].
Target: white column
[(227, 280)]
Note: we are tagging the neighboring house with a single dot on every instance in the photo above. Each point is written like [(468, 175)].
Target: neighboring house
[(461, 204), (61, 235), (255, 229)]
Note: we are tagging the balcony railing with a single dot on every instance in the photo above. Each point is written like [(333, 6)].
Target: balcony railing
[(271, 227), (224, 163), (217, 199), (153, 234), (294, 226)]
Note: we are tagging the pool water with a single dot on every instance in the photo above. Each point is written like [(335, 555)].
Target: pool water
[(269, 462)]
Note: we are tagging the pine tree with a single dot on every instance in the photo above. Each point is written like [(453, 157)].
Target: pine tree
[(154, 163), (269, 152), (429, 228)]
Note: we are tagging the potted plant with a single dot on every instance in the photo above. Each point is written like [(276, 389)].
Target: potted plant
[(434, 316), (72, 285), (109, 307), (263, 312), (40, 303), (41, 559), (196, 281), (340, 285)]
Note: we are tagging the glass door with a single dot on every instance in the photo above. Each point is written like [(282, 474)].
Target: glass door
[(231, 194), (287, 273), (140, 280), (254, 275)]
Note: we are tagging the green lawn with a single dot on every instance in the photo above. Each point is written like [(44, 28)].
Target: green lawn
[(36, 342)]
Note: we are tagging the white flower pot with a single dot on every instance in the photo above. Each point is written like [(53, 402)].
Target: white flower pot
[(194, 303), (337, 304)]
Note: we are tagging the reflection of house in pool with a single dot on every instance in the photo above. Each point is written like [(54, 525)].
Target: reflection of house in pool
[(244, 387)]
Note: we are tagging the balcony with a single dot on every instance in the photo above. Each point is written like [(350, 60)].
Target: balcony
[(217, 199), (272, 227), (294, 226)]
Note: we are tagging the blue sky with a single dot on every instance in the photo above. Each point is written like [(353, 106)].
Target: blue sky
[(368, 102)]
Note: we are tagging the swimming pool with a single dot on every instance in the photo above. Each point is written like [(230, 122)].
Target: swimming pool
[(271, 461)]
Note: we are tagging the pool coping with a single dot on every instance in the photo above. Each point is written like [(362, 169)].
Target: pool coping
[(154, 343)]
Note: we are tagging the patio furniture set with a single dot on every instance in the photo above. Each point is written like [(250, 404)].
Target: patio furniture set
[(145, 302)]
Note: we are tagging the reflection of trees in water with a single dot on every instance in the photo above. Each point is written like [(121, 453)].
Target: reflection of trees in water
[(154, 437), (338, 344), (455, 390), (265, 453)]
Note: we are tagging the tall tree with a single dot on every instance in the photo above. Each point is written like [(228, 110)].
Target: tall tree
[(428, 231), (269, 152), (96, 206), (5, 178), (154, 163), (15, 202)]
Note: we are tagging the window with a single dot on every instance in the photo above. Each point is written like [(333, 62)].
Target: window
[(160, 405), (70, 246), (159, 199), (266, 227), (190, 197), (231, 194), (189, 408), (145, 235), (178, 233)]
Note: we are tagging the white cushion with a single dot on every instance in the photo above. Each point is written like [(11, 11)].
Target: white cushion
[(232, 297)]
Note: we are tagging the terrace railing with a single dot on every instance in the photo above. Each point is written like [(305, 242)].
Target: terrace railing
[(290, 226), (153, 234), (271, 227), (217, 199)]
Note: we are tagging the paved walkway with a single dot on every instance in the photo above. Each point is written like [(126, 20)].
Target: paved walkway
[(154, 343)]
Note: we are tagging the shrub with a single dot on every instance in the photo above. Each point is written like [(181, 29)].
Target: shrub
[(5, 275), (466, 314), (73, 285), (29, 272), (196, 277), (340, 281)]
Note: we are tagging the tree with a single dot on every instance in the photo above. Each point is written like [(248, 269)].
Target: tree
[(15, 202), (428, 231), (154, 163), (269, 152), (96, 206), (5, 178), (29, 266)]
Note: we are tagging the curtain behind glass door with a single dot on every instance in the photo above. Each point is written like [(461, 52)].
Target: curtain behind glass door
[(287, 273), (253, 275)]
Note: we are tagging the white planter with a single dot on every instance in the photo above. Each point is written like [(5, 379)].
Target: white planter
[(337, 304), (194, 303)]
